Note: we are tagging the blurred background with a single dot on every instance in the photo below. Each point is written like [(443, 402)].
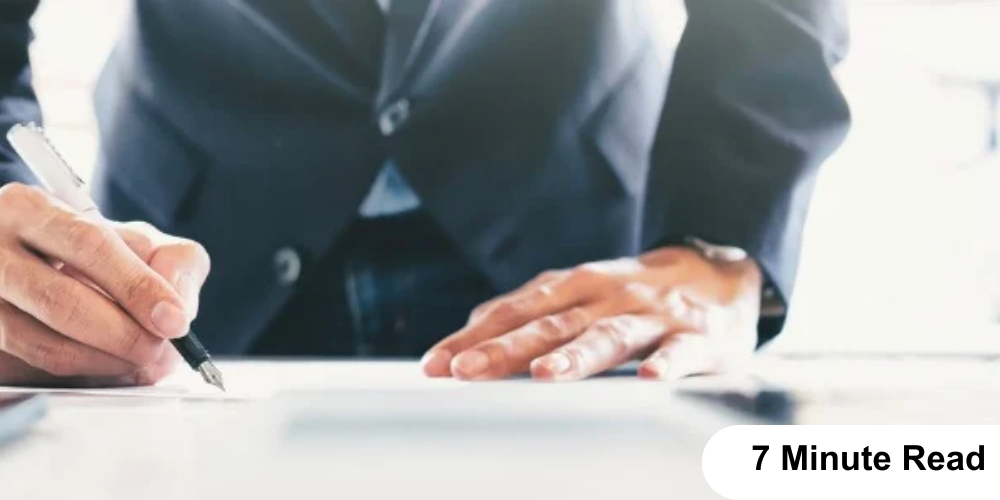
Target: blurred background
[(902, 250)]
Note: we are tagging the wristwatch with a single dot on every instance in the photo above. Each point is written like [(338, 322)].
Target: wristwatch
[(771, 303)]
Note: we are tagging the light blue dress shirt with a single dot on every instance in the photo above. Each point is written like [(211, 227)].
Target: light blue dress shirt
[(389, 195)]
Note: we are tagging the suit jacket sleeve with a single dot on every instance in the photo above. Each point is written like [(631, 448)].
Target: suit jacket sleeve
[(751, 112), (17, 99)]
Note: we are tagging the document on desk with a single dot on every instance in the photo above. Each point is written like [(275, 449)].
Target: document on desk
[(256, 380), (177, 386), (247, 381)]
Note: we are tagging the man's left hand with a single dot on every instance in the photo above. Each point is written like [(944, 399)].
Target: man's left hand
[(679, 312)]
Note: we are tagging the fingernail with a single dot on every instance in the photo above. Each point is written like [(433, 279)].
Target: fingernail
[(654, 368), (556, 364), (472, 364), (169, 320), (437, 363)]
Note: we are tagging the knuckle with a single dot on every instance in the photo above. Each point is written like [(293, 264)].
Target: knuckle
[(479, 310), (674, 304), (59, 358), (543, 292), (141, 242), (563, 326), (90, 241), (9, 269), (56, 304), (553, 328), (619, 341), (508, 310), (614, 331), (74, 310), (11, 191), (639, 294), (605, 326), (15, 197), (137, 346), (586, 272), (550, 275), (544, 276), (575, 354), (578, 316), (499, 353), (141, 289)]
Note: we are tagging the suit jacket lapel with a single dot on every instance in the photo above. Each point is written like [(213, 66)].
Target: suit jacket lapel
[(327, 35), (408, 24), (360, 26)]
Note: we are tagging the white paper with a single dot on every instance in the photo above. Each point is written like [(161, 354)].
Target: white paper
[(177, 386), (254, 380)]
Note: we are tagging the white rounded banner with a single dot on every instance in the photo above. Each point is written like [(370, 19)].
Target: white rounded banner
[(776, 462)]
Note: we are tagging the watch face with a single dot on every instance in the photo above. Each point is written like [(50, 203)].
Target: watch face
[(726, 254), (718, 252)]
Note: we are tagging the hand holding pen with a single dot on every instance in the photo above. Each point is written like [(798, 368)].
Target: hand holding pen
[(85, 301)]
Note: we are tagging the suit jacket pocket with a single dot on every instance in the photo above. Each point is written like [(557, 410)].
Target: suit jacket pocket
[(147, 159)]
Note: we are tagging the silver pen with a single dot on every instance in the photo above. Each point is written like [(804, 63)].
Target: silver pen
[(55, 174)]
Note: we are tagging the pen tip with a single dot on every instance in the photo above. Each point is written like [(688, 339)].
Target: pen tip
[(212, 375)]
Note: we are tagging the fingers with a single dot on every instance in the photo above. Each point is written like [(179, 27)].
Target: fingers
[(149, 375), (73, 309), (95, 250), (512, 312), (183, 263), (511, 354), (15, 372), (681, 355), (44, 349), (87, 302), (606, 344), (583, 340), (534, 283)]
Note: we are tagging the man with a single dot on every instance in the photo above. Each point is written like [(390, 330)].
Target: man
[(364, 174)]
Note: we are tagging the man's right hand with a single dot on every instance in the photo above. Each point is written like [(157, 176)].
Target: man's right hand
[(85, 303)]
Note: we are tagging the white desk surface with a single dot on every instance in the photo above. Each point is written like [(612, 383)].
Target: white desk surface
[(164, 448)]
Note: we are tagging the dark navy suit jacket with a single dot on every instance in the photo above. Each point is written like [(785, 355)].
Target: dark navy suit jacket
[(538, 133)]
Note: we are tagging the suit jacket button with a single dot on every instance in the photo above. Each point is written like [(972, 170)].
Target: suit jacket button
[(287, 266), (393, 117)]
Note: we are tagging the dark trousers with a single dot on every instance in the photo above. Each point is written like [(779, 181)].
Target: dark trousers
[(392, 287)]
